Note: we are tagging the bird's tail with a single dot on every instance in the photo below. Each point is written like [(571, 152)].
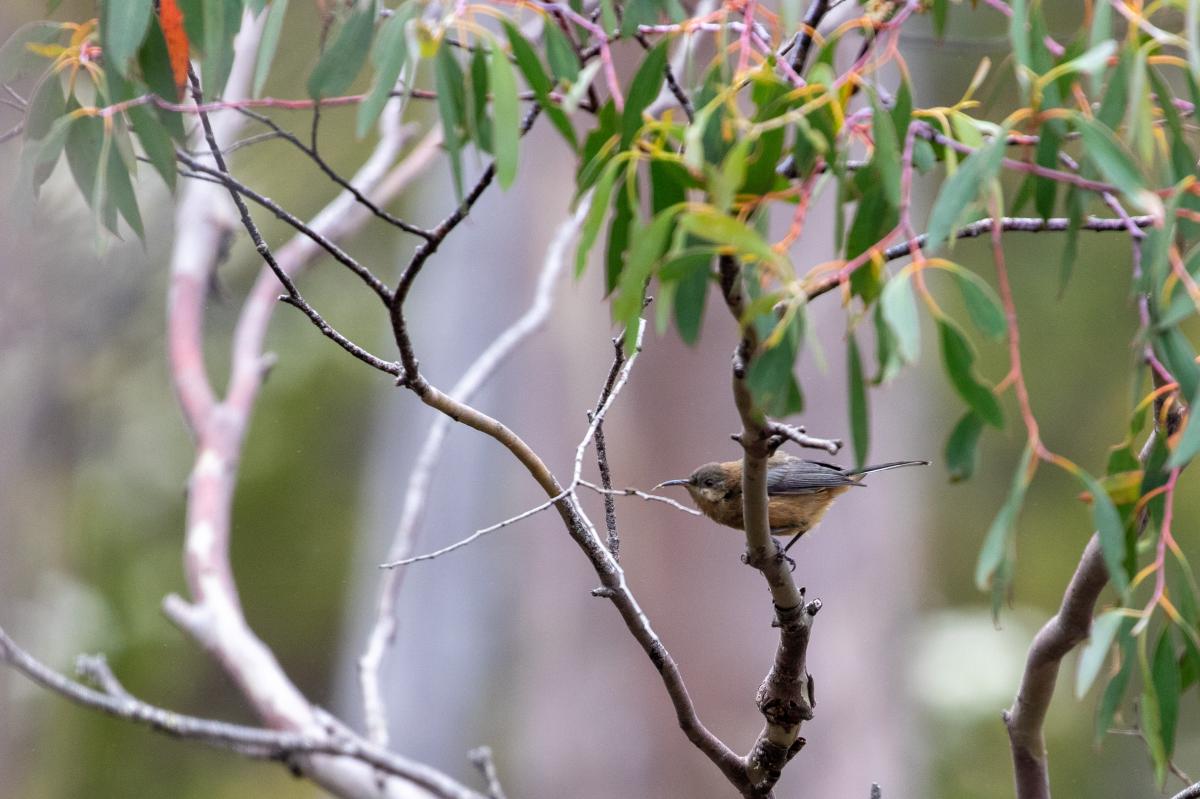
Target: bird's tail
[(883, 467)]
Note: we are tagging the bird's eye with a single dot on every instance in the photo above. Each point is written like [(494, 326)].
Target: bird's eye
[(709, 482)]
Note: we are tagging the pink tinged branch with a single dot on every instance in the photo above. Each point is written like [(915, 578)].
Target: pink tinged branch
[(744, 39), (602, 41), (214, 616)]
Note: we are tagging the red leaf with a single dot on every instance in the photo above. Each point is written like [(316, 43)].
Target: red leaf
[(170, 17)]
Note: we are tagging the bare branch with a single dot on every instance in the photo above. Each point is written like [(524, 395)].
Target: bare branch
[(1016, 224), (235, 186), (313, 153), (612, 578), (252, 742), (481, 758), (780, 432), (215, 618), (383, 631), (1191, 792), (408, 359)]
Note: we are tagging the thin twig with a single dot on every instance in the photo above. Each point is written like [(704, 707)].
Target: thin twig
[(383, 631), (980, 227), (235, 186), (633, 492), (475, 536), (314, 154), (780, 432), (481, 758), (411, 376)]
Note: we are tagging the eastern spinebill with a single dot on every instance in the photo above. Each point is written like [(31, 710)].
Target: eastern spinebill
[(798, 491)]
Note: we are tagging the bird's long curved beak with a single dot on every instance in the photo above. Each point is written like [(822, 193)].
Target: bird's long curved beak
[(671, 483)]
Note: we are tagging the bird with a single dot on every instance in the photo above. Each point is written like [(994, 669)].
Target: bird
[(799, 491)]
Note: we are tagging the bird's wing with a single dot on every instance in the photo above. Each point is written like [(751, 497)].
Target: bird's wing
[(797, 476)]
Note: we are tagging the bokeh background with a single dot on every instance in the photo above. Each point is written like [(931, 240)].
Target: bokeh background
[(501, 643)]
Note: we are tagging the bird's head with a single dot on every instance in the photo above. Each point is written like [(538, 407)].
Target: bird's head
[(709, 482)]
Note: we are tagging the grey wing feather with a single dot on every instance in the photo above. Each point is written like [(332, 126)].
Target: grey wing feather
[(796, 476)]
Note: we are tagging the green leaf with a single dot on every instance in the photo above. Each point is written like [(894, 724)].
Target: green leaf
[(17, 60), (85, 141), (451, 102), (1174, 349), (479, 126), (771, 379), (531, 67), (618, 237), (1114, 101), (888, 358), (389, 55), (691, 292), (645, 87), (47, 105), (564, 64), (981, 302), (1045, 189), (1114, 692), (994, 568), (649, 243), (959, 358), (40, 157), (860, 424), (638, 12), (1075, 209), (222, 19), (1091, 62), (601, 196), (723, 183), (874, 217), (1164, 671), (959, 193), (1095, 651), (1110, 529), (901, 113), (270, 43), (193, 21), (1189, 442), (123, 25), (156, 142), (669, 182), (1018, 33), (899, 310), (729, 232), (119, 190), (962, 448), (1111, 157), (505, 107), (341, 62), (156, 71)]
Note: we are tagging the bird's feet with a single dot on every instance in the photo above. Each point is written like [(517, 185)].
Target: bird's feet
[(781, 555)]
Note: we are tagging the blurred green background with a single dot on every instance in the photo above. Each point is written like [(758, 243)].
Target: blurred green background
[(501, 644)]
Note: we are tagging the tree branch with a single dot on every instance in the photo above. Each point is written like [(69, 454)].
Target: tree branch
[(215, 618), (252, 742), (1058, 636), (383, 631), (1019, 224), (785, 697)]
